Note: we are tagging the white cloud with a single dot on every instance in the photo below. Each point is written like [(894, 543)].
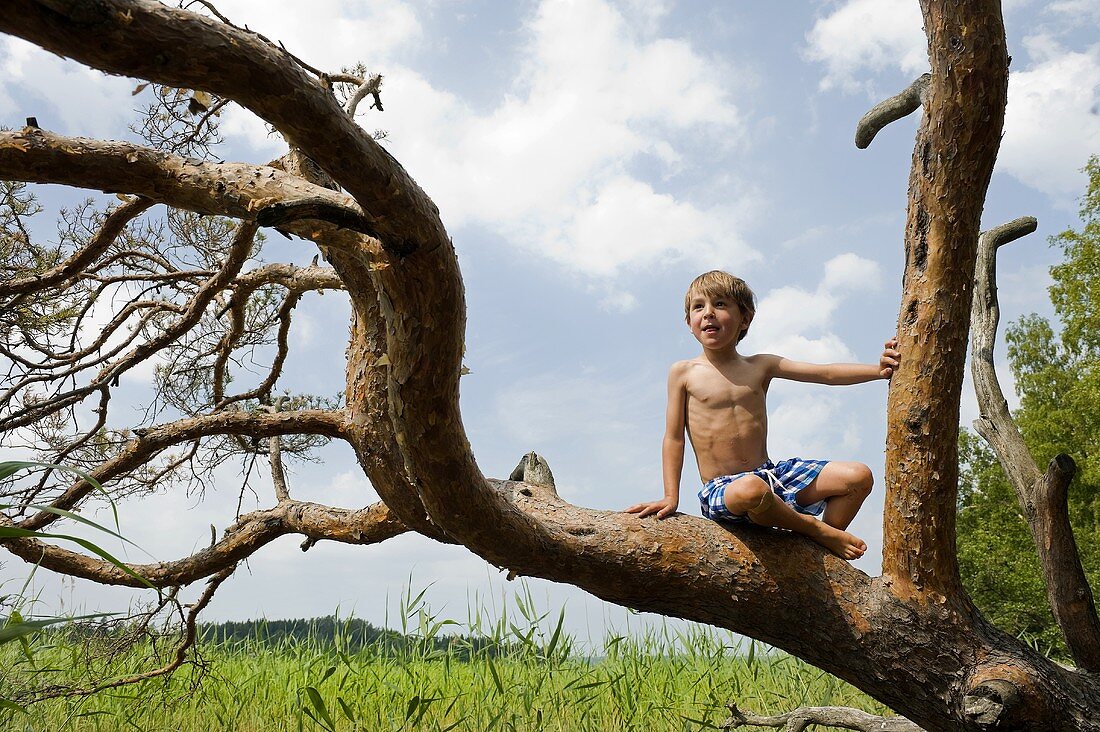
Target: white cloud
[(619, 302), (64, 96), (862, 34), (851, 272), (785, 315), (1077, 11), (1052, 123), (330, 34), (804, 426), (547, 168), (1053, 117)]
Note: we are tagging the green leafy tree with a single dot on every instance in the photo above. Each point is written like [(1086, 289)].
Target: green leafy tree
[(1057, 374)]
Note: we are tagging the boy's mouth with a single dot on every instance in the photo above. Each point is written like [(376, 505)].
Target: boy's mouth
[(711, 328)]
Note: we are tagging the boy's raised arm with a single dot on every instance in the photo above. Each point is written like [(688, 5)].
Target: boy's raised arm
[(838, 374), (672, 447)]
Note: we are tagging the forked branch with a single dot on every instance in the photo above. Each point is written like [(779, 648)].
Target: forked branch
[(1043, 497), (245, 537)]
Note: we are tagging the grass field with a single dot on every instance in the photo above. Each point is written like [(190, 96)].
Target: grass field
[(529, 677)]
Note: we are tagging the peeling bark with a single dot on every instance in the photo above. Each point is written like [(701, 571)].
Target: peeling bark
[(953, 160)]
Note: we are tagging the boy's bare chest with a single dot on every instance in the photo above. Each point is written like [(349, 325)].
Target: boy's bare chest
[(716, 391)]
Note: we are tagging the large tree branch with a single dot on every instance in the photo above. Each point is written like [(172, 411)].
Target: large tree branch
[(996, 424), (186, 50), (240, 191), (1043, 497), (249, 533)]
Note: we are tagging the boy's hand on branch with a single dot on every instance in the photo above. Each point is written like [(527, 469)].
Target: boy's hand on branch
[(890, 359), (663, 508)]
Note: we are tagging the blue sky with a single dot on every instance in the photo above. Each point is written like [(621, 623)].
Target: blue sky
[(589, 158)]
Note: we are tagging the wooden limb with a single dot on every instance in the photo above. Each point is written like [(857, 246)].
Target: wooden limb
[(1043, 496), (275, 458), (996, 424), (890, 110), (189, 51), (251, 532), (372, 86), (280, 213), (798, 720), (223, 189)]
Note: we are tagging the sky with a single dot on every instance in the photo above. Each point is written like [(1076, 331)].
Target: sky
[(589, 159)]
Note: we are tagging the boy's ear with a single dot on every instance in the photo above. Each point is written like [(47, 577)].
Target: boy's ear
[(748, 321)]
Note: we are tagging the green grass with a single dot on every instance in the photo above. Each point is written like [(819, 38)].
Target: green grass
[(531, 676)]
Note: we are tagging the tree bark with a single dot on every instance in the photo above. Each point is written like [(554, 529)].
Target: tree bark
[(910, 638), (1043, 497)]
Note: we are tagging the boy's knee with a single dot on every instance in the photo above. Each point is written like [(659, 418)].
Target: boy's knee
[(745, 494), (861, 479)]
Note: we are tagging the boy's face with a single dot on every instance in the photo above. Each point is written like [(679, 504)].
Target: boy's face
[(717, 323)]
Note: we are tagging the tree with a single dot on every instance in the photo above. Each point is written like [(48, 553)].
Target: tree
[(911, 638), (1057, 381)]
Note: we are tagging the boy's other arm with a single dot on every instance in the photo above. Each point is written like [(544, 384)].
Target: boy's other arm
[(837, 374), (672, 446)]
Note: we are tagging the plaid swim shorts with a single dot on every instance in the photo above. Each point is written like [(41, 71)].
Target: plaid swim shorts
[(786, 479)]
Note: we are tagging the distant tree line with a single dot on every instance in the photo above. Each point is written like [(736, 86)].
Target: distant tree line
[(351, 635)]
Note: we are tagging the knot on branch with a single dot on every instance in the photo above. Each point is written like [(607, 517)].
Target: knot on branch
[(993, 703), (534, 469), (1063, 467)]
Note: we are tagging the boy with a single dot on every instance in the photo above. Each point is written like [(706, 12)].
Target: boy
[(718, 398)]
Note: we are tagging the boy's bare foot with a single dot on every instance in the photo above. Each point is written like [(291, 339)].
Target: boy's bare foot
[(841, 543)]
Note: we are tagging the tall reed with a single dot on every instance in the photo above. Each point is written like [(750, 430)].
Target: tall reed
[(516, 670)]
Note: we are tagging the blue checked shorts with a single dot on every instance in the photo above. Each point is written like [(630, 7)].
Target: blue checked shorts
[(786, 478)]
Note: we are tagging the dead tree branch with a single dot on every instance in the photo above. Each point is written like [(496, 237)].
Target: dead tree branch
[(798, 720), (179, 656), (153, 441), (891, 110), (224, 189), (251, 532), (1043, 496)]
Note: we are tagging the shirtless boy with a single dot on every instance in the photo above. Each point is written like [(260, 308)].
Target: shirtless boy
[(719, 400)]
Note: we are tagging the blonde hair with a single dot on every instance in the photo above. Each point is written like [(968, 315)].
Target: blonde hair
[(717, 284)]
